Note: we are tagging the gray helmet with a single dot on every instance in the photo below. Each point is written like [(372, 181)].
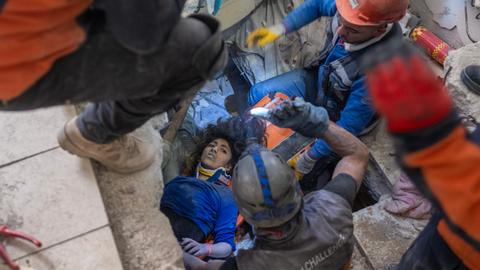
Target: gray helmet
[(265, 189)]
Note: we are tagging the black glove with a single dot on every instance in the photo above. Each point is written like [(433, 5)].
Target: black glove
[(303, 117)]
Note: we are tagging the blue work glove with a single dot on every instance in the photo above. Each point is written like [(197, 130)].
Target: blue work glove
[(303, 117), (196, 249)]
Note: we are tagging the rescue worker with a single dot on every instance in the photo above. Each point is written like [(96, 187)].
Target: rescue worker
[(132, 59), (439, 155), (338, 83), (292, 231)]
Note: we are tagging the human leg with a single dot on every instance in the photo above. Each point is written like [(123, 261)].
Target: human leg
[(430, 251), (299, 83), (127, 95), (183, 227)]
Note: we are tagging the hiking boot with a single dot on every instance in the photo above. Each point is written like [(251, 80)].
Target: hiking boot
[(471, 78), (127, 154)]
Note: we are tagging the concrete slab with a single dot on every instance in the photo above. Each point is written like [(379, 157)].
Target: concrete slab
[(382, 237), (27, 133), (359, 261), (53, 196), (143, 234), (95, 250), (381, 149), (457, 60)]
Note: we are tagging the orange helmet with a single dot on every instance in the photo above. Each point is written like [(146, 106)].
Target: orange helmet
[(372, 12)]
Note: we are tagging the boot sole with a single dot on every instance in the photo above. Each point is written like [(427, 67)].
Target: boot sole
[(67, 145), (471, 85)]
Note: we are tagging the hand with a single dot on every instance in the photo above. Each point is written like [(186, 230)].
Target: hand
[(194, 248), (303, 117), (408, 95), (240, 128), (293, 164), (303, 164), (263, 36)]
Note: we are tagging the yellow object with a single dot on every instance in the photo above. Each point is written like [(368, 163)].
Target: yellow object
[(293, 163), (261, 37)]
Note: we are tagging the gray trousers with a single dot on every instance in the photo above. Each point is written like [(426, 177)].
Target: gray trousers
[(125, 88)]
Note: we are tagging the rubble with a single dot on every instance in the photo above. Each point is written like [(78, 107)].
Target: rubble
[(467, 101), (142, 233), (383, 237)]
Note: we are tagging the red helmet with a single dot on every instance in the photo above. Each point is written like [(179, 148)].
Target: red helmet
[(372, 12)]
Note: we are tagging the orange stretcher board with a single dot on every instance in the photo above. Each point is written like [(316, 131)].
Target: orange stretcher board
[(283, 141)]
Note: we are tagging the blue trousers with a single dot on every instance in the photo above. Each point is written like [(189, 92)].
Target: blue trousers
[(296, 83)]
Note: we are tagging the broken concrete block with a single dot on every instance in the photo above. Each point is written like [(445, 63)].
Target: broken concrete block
[(467, 101), (359, 261), (143, 234), (382, 151), (383, 237)]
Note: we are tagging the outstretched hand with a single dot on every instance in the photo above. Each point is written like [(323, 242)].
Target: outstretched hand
[(408, 94), (263, 36), (301, 116)]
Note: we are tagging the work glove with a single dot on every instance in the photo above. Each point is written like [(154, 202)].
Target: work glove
[(303, 117), (249, 129), (263, 36), (302, 164), (408, 95), (196, 249)]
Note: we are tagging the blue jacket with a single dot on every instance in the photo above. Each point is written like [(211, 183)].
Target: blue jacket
[(357, 112), (209, 204)]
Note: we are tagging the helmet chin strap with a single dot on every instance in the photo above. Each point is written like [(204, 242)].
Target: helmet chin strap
[(201, 170)]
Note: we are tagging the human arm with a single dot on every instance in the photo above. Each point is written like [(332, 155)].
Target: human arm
[(225, 225), (312, 121), (433, 148), (354, 153), (217, 250), (142, 26), (303, 15), (307, 12), (356, 115)]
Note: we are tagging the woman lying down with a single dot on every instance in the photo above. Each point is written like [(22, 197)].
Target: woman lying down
[(200, 206)]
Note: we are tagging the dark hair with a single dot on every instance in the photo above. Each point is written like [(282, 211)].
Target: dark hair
[(238, 131)]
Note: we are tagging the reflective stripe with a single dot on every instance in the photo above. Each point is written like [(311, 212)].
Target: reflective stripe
[(342, 73), (263, 178)]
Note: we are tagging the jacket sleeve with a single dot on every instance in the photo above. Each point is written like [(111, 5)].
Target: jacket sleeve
[(308, 12), (142, 25), (356, 115), (225, 224), (443, 161)]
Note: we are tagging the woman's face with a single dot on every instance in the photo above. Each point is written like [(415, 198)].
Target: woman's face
[(217, 154)]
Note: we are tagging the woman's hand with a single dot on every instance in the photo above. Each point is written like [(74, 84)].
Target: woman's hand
[(196, 249)]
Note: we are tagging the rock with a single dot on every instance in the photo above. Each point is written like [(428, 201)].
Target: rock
[(457, 60), (142, 233), (383, 237)]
